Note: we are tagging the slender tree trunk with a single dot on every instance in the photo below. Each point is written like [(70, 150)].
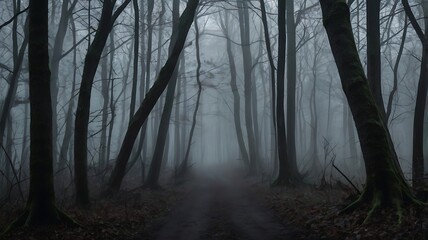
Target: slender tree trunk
[(151, 98), (135, 64), (185, 164), (395, 72), (272, 74), (247, 59), (105, 84), (418, 120), (92, 60), (18, 58), (57, 51), (235, 92), (155, 166), (291, 86), (112, 104), (68, 120)]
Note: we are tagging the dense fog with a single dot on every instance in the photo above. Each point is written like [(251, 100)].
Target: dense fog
[(325, 134)]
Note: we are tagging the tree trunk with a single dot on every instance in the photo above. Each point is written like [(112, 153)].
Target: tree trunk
[(185, 164), (235, 92), (286, 174), (155, 166), (135, 64), (92, 60), (418, 120), (57, 52), (68, 120), (272, 75), (373, 52), (41, 208), (385, 185), (105, 84), (151, 98), (247, 59), (291, 87)]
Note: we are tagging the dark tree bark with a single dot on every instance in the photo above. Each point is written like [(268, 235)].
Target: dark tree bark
[(151, 98), (385, 185), (41, 209), (418, 120), (135, 64), (92, 60), (291, 86), (286, 175), (373, 52), (163, 138)]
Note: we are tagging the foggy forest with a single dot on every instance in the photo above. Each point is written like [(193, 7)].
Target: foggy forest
[(213, 119)]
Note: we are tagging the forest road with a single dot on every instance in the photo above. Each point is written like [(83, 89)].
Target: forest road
[(220, 209)]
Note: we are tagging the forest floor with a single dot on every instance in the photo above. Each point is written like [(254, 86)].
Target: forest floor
[(317, 212), (120, 218), (227, 207)]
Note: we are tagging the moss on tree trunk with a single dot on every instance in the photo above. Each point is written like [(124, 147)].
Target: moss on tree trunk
[(385, 185)]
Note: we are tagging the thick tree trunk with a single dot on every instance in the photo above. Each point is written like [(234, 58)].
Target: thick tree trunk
[(151, 98), (41, 208), (385, 185)]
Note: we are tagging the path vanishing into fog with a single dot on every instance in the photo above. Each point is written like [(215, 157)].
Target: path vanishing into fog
[(219, 209)]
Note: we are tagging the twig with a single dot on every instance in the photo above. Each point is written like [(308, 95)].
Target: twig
[(15, 16), (14, 171), (347, 179)]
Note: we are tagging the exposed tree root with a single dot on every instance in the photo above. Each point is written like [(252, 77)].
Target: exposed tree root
[(376, 201), (28, 220)]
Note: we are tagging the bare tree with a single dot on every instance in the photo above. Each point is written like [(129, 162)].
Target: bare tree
[(92, 59), (151, 98)]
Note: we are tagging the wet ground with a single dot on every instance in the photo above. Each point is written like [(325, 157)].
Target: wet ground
[(217, 208)]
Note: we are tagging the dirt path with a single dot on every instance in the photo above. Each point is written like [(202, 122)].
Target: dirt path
[(219, 209)]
